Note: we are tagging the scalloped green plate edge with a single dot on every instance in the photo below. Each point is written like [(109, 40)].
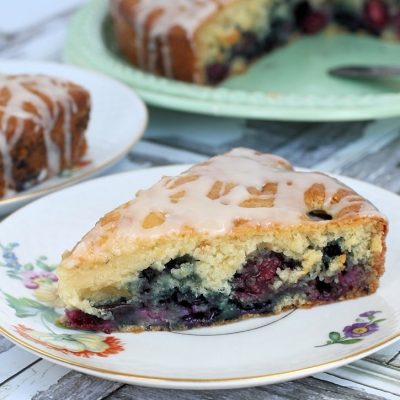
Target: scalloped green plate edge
[(86, 47)]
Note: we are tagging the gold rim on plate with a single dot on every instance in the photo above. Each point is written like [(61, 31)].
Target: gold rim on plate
[(306, 370)]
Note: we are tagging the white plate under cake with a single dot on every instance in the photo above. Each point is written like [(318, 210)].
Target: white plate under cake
[(254, 351)]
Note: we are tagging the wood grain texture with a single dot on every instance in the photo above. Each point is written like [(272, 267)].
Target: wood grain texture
[(308, 144), (13, 361), (75, 385), (304, 144), (30, 380), (308, 388), (395, 361), (5, 344), (363, 381), (381, 168), (149, 154), (388, 356)]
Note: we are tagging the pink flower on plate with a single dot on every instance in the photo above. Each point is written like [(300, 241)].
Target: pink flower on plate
[(33, 279)]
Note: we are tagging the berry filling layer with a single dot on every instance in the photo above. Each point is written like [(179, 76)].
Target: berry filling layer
[(173, 297)]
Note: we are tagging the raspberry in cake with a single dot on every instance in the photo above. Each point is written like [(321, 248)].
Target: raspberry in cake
[(42, 129), (237, 236)]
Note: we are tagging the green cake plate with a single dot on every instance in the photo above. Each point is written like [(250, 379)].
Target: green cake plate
[(290, 84)]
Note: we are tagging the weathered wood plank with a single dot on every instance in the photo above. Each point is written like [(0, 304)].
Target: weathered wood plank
[(75, 385), (147, 154), (389, 355), (378, 388), (381, 168), (31, 380), (320, 141), (14, 360), (371, 374), (303, 143), (155, 154), (192, 132), (5, 344), (395, 361), (308, 388), (375, 136)]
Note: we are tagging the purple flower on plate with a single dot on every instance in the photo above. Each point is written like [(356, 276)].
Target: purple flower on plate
[(33, 279), (355, 332), (360, 329), (368, 314)]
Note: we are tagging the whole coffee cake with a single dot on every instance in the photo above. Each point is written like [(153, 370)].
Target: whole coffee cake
[(206, 41)]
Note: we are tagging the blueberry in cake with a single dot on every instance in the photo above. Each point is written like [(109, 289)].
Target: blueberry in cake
[(237, 236), (205, 41), (42, 129)]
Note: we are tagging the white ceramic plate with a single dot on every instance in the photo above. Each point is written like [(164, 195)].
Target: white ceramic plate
[(254, 352), (118, 119)]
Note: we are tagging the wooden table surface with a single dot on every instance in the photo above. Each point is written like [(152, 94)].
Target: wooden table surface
[(368, 150)]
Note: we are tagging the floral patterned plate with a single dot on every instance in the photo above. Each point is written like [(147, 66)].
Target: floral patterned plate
[(247, 353)]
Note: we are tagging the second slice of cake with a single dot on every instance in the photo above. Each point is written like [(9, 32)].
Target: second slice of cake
[(43, 120), (239, 235)]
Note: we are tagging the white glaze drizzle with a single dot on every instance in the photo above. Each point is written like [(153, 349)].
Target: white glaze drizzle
[(241, 167), (187, 14), (43, 116)]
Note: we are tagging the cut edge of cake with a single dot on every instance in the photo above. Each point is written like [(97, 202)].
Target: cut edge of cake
[(263, 236)]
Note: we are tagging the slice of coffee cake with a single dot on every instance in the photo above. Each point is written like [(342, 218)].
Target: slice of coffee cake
[(239, 235)]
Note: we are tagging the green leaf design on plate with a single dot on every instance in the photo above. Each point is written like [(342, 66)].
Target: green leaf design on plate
[(334, 336), (14, 275), (28, 267), (26, 307), (50, 315), (42, 264), (350, 341)]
